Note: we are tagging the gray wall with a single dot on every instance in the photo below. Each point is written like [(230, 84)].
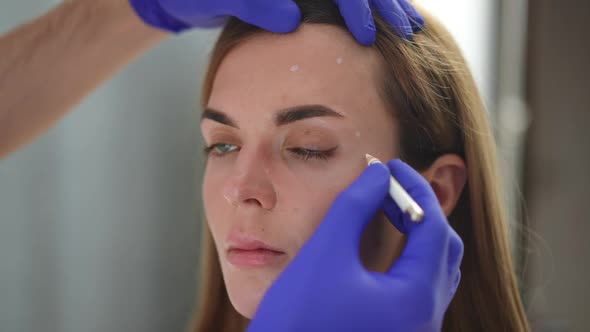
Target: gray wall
[(558, 165), (99, 217)]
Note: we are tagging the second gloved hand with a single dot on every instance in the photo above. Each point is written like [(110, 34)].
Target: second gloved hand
[(326, 287), (179, 15), (400, 14)]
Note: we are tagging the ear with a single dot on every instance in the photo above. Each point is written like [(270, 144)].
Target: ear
[(447, 177)]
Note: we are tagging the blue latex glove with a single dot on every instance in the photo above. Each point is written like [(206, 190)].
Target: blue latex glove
[(275, 15), (179, 15), (400, 14), (326, 287)]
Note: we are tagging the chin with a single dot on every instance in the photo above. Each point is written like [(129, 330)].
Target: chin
[(247, 288), (244, 304)]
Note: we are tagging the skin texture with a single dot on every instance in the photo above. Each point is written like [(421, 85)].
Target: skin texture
[(257, 186)]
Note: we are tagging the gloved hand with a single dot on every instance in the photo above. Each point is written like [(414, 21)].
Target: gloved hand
[(326, 288), (275, 15), (400, 14), (179, 15)]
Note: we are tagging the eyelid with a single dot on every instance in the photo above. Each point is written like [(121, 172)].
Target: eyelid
[(307, 154)]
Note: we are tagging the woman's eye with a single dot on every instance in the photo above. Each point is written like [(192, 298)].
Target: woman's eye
[(306, 154), (219, 149), (222, 149)]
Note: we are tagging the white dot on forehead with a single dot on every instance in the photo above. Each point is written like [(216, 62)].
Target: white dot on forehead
[(357, 134), (339, 60), (294, 68)]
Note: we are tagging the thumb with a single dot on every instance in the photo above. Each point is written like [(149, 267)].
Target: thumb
[(352, 210)]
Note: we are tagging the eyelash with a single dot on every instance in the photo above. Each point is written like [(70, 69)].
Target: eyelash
[(301, 153)]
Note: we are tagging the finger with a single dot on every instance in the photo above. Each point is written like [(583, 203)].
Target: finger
[(395, 15), (416, 20), (417, 187), (426, 253), (454, 264), (394, 214), (352, 210), (455, 253), (359, 20), (455, 284), (192, 13), (280, 16)]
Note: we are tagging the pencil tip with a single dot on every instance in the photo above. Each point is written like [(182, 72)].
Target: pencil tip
[(371, 159)]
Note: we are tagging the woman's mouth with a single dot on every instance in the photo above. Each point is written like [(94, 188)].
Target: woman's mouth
[(245, 251), (254, 258)]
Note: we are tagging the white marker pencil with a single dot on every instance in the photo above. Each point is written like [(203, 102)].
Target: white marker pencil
[(400, 196)]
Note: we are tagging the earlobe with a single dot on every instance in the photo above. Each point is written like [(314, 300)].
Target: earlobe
[(447, 177)]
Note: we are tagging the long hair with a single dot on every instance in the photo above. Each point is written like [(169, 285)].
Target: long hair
[(429, 89)]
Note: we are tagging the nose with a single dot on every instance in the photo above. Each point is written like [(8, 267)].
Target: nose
[(250, 183)]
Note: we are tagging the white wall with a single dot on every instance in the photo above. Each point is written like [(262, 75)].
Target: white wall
[(472, 24)]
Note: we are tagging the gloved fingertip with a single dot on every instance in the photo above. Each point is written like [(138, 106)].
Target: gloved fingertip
[(408, 34), (417, 26), (370, 29), (378, 171), (287, 26), (416, 20), (366, 38), (277, 17), (370, 22), (359, 20), (455, 284), (154, 15), (367, 34), (291, 19), (418, 23), (396, 163)]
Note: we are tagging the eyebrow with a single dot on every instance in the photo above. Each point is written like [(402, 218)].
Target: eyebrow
[(281, 117)]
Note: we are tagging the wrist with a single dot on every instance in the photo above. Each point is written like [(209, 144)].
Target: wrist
[(125, 23), (114, 16)]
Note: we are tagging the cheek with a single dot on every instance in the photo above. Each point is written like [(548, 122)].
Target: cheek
[(213, 203), (308, 195)]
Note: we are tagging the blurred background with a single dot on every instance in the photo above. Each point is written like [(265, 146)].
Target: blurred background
[(99, 217)]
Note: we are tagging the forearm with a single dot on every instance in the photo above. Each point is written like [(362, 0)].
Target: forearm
[(50, 64)]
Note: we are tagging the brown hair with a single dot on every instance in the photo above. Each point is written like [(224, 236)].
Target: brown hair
[(430, 91)]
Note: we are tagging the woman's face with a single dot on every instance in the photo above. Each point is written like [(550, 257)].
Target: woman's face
[(288, 123)]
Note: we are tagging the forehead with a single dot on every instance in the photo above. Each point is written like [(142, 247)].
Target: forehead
[(317, 64)]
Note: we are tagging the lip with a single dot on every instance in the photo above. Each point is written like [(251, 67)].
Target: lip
[(244, 250)]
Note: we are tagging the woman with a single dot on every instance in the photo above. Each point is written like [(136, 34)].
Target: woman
[(272, 173)]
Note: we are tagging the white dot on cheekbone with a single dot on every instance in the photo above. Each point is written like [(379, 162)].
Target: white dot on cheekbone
[(339, 60), (357, 134), (294, 68)]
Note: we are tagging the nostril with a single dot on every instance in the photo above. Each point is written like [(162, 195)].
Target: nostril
[(253, 201)]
